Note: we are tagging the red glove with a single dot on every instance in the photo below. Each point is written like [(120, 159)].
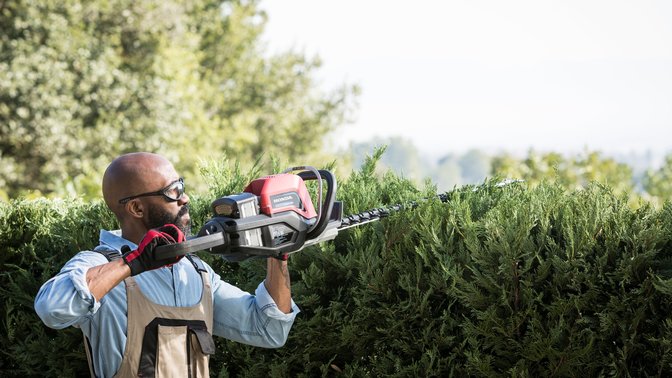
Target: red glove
[(144, 258), (283, 257)]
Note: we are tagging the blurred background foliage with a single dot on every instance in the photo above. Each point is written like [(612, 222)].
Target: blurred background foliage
[(643, 177), (82, 82)]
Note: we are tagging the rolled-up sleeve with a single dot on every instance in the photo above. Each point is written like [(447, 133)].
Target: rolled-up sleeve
[(65, 299), (250, 319)]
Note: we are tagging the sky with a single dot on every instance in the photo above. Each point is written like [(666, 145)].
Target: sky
[(497, 75)]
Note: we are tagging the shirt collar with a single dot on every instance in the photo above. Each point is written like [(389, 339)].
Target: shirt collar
[(114, 240)]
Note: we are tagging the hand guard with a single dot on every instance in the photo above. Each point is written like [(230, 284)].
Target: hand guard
[(143, 258)]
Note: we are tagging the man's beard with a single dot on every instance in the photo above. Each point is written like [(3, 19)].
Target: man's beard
[(157, 217)]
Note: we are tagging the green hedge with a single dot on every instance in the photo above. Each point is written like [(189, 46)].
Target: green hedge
[(511, 281)]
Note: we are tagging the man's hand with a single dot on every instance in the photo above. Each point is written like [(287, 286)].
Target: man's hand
[(144, 258)]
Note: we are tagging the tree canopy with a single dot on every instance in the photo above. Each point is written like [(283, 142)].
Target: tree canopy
[(81, 82), (571, 172)]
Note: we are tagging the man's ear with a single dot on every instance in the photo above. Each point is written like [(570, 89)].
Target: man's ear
[(135, 208)]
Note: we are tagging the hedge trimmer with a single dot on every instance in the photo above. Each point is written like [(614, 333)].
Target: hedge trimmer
[(274, 216)]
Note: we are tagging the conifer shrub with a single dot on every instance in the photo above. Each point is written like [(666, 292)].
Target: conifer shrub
[(36, 238), (497, 281)]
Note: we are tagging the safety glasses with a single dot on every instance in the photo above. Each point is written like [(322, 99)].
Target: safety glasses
[(173, 192)]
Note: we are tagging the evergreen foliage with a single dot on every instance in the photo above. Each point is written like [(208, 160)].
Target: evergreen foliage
[(498, 281)]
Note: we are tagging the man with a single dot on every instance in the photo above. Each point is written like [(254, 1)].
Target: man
[(143, 315)]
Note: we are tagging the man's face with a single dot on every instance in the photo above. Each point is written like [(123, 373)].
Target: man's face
[(158, 216), (162, 210)]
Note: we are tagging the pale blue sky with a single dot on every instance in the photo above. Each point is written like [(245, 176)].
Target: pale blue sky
[(514, 75)]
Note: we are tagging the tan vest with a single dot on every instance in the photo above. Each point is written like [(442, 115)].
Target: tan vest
[(164, 341)]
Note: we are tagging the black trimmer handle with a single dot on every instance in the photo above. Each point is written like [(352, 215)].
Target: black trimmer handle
[(192, 245), (327, 204)]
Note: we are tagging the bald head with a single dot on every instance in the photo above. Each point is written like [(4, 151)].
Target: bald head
[(133, 174)]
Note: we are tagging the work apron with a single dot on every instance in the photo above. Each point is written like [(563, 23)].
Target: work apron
[(164, 341)]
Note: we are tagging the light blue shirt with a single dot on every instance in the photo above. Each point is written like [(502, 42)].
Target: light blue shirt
[(65, 300)]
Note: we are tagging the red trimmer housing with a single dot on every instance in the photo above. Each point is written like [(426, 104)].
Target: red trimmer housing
[(282, 192)]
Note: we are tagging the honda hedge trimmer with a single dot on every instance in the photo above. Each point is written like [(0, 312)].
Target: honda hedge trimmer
[(274, 216)]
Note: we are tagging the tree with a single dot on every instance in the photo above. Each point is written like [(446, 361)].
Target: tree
[(76, 86), (448, 174), (658, 183), (401, 156), (81, 82), (475, 166), (571, 173)]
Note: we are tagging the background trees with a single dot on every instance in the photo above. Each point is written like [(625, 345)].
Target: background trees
[(658, 182), (81, 82), (571, 171)]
